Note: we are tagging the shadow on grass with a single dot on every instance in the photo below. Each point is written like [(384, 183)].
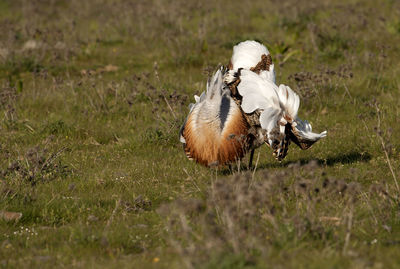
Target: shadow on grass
[(342, 158)]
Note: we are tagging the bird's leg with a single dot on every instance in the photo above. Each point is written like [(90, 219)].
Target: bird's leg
[(251, 159)]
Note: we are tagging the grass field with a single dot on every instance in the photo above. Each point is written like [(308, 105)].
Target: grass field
[(92, 174)]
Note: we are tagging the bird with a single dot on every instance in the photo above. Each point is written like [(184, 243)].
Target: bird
[(242, 109)]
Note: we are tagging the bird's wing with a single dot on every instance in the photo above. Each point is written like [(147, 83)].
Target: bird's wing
[(260, 94), (279, 106), (257, 93), (302, 135)]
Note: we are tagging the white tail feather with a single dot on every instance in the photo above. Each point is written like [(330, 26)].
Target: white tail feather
[(304, 130), (214, 83), (257, 93), (214, 87), (269, 75), (289, 100), (269, 119)]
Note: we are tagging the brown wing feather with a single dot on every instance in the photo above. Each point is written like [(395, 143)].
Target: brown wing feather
[(263, 64)]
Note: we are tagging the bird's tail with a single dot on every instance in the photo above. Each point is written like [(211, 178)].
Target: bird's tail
[(214, 84), (214, 89)]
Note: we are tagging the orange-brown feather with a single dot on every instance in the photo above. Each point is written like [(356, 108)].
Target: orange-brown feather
[(209, 146), (234, 138)]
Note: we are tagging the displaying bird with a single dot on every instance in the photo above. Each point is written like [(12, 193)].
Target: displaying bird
[(242, 109)]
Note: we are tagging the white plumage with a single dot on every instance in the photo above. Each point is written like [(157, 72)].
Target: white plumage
[(268, 113), (247, 54)]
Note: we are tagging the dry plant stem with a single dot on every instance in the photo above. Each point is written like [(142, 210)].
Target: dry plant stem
[(51, 200), (213, 194), (254, 171), (117, 204), (348, 232), (51, 158), (348, 93), (366, 199), (192, 180), (233, 239), (169, 106), (312, 37), (385, 151), (159, 82)]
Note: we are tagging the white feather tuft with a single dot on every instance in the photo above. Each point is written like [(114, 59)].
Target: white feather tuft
[(247, 54), (257, 93), (182, 139), (304, 130), (269, 118), (230, 77), (269, 75), (289, 100), (214, 84)]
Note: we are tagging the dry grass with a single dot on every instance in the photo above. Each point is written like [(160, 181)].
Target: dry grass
[(92, 95), (251, 216)]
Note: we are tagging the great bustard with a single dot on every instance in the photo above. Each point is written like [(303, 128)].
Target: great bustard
[(242, 109)]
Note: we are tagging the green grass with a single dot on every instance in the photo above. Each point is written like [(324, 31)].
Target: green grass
[(92, 96)]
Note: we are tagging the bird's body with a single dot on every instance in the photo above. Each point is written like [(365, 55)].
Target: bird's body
[(243, 109), (215, 130)]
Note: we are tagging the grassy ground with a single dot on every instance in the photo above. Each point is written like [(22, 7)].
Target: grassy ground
[(93, 93)]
